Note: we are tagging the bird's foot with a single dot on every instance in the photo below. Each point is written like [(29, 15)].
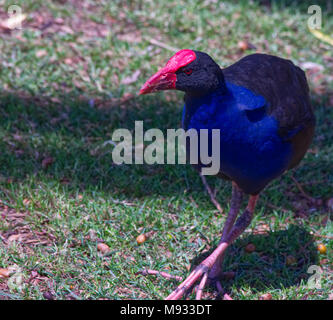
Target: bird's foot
[(214, 276), (207, 272)]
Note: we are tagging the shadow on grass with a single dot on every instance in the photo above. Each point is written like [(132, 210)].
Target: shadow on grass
[(74, 134), (281, 260)]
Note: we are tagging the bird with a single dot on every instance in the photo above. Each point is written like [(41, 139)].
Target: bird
[(261, 106)]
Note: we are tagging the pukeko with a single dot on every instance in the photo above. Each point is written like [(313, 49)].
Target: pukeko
[(262, 108)]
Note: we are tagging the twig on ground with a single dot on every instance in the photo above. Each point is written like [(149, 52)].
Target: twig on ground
[(272, 206), (321, 235), (161, 44), (211, 194), (300, 188), (161, 273)]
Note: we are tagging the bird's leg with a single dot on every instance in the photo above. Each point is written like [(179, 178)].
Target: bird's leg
[(230, 235), (235, 204), (206, 266)]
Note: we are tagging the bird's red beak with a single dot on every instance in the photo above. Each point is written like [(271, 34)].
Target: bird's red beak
[(165, 78), (161, 80)]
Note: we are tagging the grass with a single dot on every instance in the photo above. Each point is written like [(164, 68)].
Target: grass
[(63, 93)]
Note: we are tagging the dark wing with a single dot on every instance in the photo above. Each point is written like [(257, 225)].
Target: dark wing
[(285, 88)]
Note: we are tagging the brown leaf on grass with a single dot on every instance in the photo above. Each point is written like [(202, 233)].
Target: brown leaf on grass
[(141, 238), (126, 97), (118, 101), (131, 37), (47, 162), (103, 248), (266, 296), (250, 248), (244, 45), (68, 61), (66, 29), (48, 295), (59, 21), (14, 238), (4, 273), (262, 229), (41, 53), (26, 202), (290, 260), (311, 67), (132, 78)]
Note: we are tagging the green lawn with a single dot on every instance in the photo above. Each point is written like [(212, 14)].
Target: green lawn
[(66, 85)]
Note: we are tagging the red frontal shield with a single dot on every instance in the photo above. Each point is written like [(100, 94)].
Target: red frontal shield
[(165, 78)]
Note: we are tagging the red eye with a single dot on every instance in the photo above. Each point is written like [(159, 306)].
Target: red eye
[(188, 71)]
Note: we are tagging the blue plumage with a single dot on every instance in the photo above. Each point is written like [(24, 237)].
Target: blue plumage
[(252, 152)]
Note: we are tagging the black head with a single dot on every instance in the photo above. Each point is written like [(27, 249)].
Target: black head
[(193, 72), (200, 76)]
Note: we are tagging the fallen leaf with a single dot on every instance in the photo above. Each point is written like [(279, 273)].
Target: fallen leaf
[(266, 296), (250, 248), (245, 45), (14, 237), (141, 239), (4, 273), (66, 29), (127, 96), (312, 66), (92, 235), (131, 37), (132, 78), (48, 295), (41, 53), (103, 248), (290, 260), (47, 162), (68, 61), (321, 248), (59, 20)]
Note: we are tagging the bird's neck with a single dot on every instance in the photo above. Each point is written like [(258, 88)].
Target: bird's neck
[(193, 101), (220, 89)]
